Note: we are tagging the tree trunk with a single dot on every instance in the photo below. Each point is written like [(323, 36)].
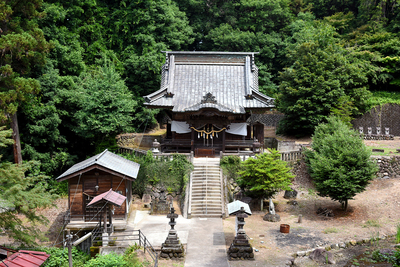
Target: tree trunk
[(17, 142), (345, 205)]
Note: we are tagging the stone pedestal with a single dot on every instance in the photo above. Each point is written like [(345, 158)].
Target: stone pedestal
[(240, 248), (172, 248)]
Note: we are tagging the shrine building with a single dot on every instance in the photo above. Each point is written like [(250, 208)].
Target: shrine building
[(209, 97)]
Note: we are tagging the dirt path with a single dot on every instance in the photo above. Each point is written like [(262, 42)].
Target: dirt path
[(371, 213)]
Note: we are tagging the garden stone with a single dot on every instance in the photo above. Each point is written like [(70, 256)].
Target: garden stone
[(301, 253), (322, 256), (290, 194), (303, 261)]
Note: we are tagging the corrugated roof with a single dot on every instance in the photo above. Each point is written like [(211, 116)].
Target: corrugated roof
[(107, 160), (25, 258), (231, 78), (110, 196)]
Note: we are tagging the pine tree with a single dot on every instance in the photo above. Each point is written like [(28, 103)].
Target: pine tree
[(22, 190), (339, 162)]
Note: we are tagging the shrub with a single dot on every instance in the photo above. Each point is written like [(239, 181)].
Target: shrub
[(231, 165), (109, 260), (59, 257), (266, 174)]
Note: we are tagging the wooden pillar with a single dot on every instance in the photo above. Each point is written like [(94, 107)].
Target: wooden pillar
[(105, 219), (110, 214), (223, 141), (192, 140)]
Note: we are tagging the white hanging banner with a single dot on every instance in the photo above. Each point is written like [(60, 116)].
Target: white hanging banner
[(238, 129), (180, 127)]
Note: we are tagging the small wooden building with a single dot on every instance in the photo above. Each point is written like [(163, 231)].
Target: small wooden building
[(96, 176), (208, 97)]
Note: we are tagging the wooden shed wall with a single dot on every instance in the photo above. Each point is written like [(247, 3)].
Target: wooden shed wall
[(86, 189)]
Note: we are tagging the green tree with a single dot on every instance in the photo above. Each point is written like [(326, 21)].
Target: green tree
[(22, 191), (339, 162), (23, 45), (104, 104), (266, 174), (323, 77)]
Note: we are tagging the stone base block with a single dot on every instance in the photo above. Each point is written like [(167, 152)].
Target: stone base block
[(272, 217)]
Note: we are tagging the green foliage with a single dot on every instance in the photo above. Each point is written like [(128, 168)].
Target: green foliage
[(266, 174), (324, 78), (59, 257), (398, 234), (380, 98), (172, 174), (131, 258), (339, 162), (109, 260), (390, 258), (23, 45), (231, 165), (22, 191)]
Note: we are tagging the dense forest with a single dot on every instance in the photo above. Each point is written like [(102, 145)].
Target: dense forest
[(73, 73)]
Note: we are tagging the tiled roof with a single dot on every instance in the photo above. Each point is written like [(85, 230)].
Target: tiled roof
[(230, 78), (107, 160), (110, 196), (25, 258)]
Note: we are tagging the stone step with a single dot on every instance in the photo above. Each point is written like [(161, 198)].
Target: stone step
[(208, 182), (203, 191), (202, 178), (208, 209), (202, 206), (206, 188)]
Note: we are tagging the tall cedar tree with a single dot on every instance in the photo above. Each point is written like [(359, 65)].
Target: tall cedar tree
[(339, 162), (23, 45), (21, 194), (266, 174)]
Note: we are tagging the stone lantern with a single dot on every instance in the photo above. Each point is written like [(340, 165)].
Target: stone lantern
[(156, 146), (256, 146)]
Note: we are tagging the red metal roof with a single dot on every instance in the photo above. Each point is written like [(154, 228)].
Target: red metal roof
[(110, 196), (25, 258)]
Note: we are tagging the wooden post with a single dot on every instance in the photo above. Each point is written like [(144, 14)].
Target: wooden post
[(110, 213), (192, 140), (69, 245), (105, 219), (223, 141)]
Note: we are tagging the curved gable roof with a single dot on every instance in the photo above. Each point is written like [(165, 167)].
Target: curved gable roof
[(188, 77)]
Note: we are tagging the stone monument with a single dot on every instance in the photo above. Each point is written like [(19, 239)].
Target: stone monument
[(172, 248), (240, 247), (271, 216)]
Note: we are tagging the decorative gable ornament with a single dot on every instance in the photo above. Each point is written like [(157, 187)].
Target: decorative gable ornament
[(209, 98)]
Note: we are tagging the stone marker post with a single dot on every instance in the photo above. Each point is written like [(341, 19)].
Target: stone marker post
[(172, 248)]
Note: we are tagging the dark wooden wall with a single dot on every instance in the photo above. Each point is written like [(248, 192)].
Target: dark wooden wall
[(78, 193)]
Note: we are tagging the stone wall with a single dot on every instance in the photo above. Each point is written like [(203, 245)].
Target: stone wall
[(134, 140), (389, 167), (387, 115)]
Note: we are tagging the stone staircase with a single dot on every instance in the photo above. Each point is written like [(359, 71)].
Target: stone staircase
[(206, 189)]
